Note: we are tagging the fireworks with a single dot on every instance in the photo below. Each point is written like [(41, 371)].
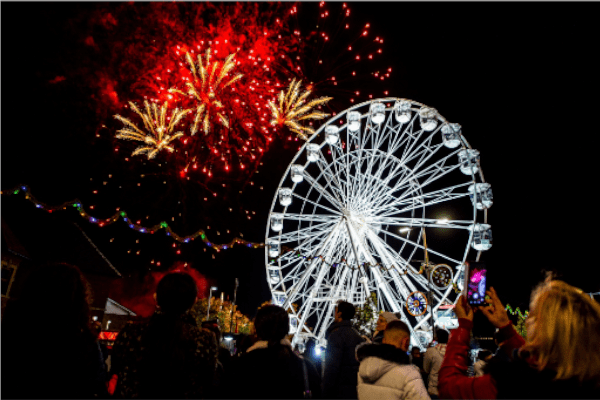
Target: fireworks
[(336, 53), (291, 110), (192, 55), (205, 88), (159, 130)]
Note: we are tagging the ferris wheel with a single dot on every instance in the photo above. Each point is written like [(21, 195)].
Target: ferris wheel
[(387, 197)]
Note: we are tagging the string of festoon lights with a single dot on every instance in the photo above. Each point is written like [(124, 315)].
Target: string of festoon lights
[(517, 311), (344, 263), (135, 226)]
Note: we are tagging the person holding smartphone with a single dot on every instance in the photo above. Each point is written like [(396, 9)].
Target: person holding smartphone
[(559, 360)]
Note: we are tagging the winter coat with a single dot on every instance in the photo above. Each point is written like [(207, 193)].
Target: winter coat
[(511, 374), (432, 361), (271, 372), (340, 363), (166, 357), (385, 374)]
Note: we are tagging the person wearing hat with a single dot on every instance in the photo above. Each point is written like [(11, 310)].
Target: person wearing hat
[(384, 318)]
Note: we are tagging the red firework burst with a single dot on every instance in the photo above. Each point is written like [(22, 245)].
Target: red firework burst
[(147, 46)]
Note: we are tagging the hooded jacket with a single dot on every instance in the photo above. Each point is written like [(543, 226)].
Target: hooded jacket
[(386, 374)]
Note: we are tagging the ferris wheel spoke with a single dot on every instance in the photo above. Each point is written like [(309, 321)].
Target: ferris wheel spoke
[(413, 139), (313, 291), (424, 200), (412, 188), (405, 137), (326, 248), (359, 248), (334, 201), (311, 218), (413, 150), (423, 222), (304, 233), (429, 249), (431, 173), (340, 190), (331, 305), (316, 204), (393, 258), (329, 177), (377, 193)]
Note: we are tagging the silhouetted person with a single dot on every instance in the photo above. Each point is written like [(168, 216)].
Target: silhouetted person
[(169, 356), (340, 365), (270, 369), (48, 347)]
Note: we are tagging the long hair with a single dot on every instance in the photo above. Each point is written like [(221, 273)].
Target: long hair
[(563, 331)]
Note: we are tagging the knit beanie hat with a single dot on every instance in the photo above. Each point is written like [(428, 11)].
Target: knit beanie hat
[(389, 316)]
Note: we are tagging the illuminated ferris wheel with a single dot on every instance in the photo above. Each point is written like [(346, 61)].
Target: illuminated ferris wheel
[(369, 205)]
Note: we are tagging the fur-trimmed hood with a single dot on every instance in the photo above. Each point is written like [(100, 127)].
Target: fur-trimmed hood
[(376, 360), (384, 351), (385, 374)]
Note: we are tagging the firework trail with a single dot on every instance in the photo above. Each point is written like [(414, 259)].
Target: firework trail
[(159, 129), (291, 110)]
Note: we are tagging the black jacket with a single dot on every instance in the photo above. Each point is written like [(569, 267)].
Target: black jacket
[(274, 372), (515, 379), (340, 363)]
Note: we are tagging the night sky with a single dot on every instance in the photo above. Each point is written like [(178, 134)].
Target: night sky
[(521, 79)]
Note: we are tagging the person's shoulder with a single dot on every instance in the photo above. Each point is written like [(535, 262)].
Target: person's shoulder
[(408, 371), (132, 329), (201, 335)]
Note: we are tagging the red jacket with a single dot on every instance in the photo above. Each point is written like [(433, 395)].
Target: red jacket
[(453, 381)]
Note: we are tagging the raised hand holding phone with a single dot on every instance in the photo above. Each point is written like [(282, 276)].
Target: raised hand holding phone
[(495, 311), (463, 309), (476, 283)]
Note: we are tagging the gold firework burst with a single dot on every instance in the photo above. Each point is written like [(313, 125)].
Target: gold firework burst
[(291, 110), (159, 132), (208, 82)]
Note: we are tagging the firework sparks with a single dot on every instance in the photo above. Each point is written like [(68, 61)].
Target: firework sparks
[(205, 87), (159, 130), (292, 109)]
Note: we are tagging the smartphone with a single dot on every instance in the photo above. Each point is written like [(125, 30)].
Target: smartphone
[(476, 284)]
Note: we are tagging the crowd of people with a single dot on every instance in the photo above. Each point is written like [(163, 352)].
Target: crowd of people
[(171, 356)]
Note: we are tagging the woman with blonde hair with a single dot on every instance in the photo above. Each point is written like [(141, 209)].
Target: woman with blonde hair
[(559, 360)]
